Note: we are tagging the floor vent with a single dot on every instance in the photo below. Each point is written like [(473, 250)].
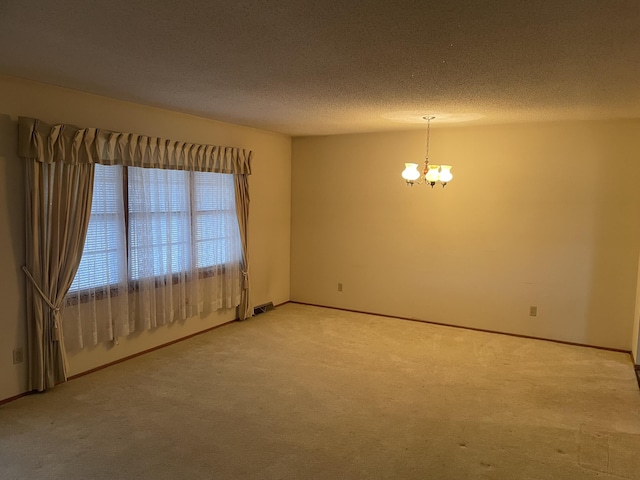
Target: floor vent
[(265, 307)]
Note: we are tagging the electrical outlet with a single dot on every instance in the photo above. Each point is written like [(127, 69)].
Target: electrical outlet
[(18, 355), (533, 311), (339, 287)]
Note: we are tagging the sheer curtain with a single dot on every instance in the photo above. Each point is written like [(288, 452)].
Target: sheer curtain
[(96, 308), (184, 244), (162, 246), (160, 264), (218, 241)]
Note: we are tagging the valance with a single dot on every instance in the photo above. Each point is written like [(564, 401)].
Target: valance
[(68, 144)]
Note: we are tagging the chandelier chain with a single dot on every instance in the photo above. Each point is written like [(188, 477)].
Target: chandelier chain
[(428, 118)]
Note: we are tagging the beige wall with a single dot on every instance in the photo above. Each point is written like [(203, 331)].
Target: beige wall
[(269, 234), (537, 214)]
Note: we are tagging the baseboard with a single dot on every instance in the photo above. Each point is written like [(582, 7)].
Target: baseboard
[(563, 342), (158, 347), (15, 397), (149, 350)]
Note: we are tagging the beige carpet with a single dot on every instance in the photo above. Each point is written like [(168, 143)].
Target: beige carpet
[(310, 393)]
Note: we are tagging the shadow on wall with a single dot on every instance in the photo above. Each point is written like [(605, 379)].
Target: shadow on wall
[(616, 237), (12, 233)]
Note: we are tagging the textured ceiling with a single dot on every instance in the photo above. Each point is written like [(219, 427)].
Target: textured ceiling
[(337, 66)]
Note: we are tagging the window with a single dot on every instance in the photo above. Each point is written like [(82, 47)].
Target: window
[(148, 223), (214, 218), (159, 222), (102, 260)]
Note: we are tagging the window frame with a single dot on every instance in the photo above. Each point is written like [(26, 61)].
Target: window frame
[(87, 294)]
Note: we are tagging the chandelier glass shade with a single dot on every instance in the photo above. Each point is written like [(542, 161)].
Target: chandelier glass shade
[(431, 173), (411, 173)]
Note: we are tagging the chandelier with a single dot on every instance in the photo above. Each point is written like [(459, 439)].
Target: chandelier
[(431, 174)]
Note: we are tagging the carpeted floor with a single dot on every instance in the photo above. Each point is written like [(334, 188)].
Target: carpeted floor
[(310, 393)]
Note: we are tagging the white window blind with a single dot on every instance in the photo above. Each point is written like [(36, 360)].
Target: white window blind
[(102, 260), (215, 222), (177, 221)]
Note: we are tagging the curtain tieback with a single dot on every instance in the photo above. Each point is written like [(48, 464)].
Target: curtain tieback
[(245, 279), (54, 309)]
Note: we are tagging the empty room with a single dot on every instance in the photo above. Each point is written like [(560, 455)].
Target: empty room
[(323, 240)]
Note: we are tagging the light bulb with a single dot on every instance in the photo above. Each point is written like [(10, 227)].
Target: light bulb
[(411, 173)]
